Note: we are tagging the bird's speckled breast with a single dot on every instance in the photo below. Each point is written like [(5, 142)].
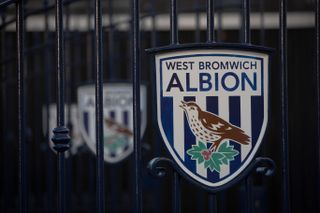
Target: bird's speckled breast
[(201, 132)]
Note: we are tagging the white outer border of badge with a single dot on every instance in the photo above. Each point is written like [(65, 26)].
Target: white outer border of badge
[(265, 58)]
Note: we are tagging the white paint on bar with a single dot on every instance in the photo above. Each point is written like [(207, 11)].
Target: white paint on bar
[(201, 101), (245, 116), (223, 108), (178, 116)]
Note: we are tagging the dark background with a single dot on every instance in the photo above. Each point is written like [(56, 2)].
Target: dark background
[(79, 60)]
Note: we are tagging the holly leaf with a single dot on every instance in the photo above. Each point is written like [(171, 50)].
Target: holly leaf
[(195, 152), (214, 162), (228, 152)]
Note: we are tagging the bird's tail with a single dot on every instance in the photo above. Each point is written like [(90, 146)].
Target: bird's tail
[(241, 137)]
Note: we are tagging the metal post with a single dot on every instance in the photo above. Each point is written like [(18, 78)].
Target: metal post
[(47, 79), (248, 191), (4, 117), (136, 103), (247, 39), (210, 21), (219, 21), (61, 136), (173, 22), (317, 23), (197, 17), (99, 107), (89, 43), (213, 203), (262, 22), (284, 108), (111, 73), (21, 107), (246, 21), (174, 41), (176, 193)]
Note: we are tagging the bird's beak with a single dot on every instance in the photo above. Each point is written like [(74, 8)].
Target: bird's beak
[(182, 105)]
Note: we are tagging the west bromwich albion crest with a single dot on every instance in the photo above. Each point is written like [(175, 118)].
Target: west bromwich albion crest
[(118, 118), (212, 109)]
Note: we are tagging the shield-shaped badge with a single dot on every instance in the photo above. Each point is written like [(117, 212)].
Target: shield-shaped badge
[(118, 118), (212, 109)]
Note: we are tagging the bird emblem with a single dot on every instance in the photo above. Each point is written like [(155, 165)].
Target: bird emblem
[(117, 128), (210, 128)]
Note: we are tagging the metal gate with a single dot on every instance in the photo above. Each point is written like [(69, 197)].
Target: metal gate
[(52, 50)]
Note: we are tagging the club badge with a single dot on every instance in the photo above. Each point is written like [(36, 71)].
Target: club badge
[(212, 109), (118, 118)]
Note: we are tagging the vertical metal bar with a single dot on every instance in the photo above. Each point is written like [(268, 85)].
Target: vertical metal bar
[(173, 22), (210, 21), (136, 103), (111, 41), (213, 203), (4, 116), (21, 107), (262, 22), (47, 71), (112, 74), (197, 17), (219, 21), (99, 107), (247, 39), (284, 108), (153, 25), (89, 43), (61, 136), (246, 21), (173, 41), (317, 35), (68, 101), (248, 191), (176, 193), (60, 62)]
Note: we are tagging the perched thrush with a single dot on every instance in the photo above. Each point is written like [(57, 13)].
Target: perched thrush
[(210, 128)]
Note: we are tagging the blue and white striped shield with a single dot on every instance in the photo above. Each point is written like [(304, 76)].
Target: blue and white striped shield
[(212, 110), (118, 118)]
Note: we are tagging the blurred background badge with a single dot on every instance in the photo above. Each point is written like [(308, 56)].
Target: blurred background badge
[(118, 118)]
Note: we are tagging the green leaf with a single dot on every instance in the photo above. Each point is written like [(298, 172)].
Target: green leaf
[(228, 152), (214, 162), (195, 152)]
